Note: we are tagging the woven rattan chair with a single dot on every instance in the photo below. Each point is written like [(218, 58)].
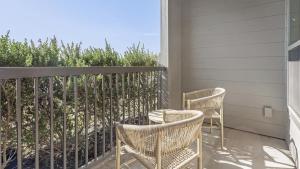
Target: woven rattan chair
[(163, 146), (210, 102)]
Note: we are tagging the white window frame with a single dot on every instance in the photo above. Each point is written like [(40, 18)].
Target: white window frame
[(289, 47)]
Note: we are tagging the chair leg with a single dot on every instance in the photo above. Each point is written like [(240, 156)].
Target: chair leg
[(118, 154), (199, 149), (222, 129), (158, 152), (211, 124)]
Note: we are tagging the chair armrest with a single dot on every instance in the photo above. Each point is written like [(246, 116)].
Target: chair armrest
[(195, 95), (206, 103)]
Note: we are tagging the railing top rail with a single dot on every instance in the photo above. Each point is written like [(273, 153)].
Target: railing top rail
[(28, 72)]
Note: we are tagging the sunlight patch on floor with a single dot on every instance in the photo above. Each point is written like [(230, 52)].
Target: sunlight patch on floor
[(232, 164), (279, 159), (250, 151)]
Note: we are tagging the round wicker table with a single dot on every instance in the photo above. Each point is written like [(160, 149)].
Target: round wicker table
[(157, 116)]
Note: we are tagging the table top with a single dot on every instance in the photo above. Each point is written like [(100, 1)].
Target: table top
[(156, 116)]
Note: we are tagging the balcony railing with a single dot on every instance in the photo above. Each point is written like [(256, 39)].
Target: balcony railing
[(64, 117)]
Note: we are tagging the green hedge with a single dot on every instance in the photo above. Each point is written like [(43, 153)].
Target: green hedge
[(49, 53)]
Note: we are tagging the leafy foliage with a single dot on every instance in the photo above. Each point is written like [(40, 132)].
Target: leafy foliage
[(138, 56), (49, 53)]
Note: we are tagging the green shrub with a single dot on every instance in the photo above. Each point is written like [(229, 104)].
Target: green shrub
[(49, 53)]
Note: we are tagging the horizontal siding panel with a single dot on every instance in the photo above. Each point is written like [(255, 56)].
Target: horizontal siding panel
[(231, 14), (258, 89), (245, 50), (257, 76), (245, 26), (255, 114), (255, 101), (211, 7), (258, 63), (240, 123), (266, 36)]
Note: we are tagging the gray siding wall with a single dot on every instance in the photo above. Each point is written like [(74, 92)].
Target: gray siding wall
[(238, 45)]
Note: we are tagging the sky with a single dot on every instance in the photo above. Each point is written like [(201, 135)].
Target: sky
[(121, 22)]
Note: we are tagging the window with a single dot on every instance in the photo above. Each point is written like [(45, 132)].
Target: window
[(294, 17), (294, 56)]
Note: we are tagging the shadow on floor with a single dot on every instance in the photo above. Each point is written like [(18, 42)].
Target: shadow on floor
[(242, 150)]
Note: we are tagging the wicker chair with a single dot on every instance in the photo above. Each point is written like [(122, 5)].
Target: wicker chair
[(163, 146), (210, 102)]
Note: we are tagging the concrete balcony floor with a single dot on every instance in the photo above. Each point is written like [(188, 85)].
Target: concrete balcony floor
[(243, 150)]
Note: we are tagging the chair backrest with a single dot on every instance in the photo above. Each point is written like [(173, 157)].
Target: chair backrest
[(204, 100), (172, 137)]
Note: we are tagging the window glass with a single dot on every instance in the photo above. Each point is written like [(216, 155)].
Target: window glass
[(294, 21)]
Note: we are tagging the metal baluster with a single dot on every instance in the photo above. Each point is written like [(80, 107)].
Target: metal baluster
[(65, 123), (147, 95), (76, 121), (117, 98), (123, 96), (36, 106), (103, 114), (86, 122), (0, 122), (19, 121), (134, 90), (95, 116), (128, 98), (139, 98), (160, 89), (154, 90), (143, 96), (51, 123), (157, 89), (110, 112)]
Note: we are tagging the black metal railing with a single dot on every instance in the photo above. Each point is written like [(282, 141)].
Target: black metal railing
[(64, 117)]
